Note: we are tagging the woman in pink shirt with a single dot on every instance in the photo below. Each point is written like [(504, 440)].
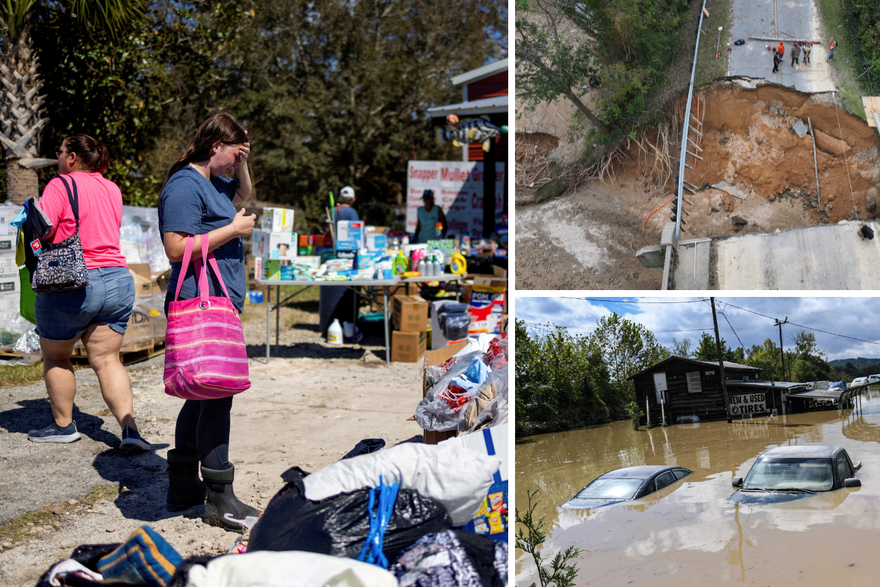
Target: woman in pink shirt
[(97, 314)]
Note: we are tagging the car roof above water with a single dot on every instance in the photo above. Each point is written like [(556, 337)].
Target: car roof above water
[(640, 472), (806, 452)]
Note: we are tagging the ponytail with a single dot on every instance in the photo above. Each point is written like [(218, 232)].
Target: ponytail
[(93, 156)]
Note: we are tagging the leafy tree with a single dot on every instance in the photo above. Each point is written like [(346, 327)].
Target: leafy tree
[(551, 63), (708, 351), (335, 93), (626, 348), (559, 382), (682, 348), (766, 357), (625, 44), (21, 114)]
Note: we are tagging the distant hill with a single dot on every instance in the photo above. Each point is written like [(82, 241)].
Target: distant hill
[(860, 362)]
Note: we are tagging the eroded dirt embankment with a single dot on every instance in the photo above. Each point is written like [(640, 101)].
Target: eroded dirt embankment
[(749, 142)]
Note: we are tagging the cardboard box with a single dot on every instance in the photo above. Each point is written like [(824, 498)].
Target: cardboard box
[(274, 245), (409, 313), (278, 219), (408, 347), (435, 358), (350, 230), (144, 282)]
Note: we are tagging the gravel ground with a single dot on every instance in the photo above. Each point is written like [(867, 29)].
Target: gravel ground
[(308, 407)]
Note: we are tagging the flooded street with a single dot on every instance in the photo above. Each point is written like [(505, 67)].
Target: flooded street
[(690, 533)]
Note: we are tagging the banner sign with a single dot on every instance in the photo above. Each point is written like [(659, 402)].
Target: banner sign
[(458, 190), (747, 403)]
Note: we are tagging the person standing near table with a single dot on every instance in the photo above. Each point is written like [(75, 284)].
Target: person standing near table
[(96, 314), (344, 211), (429, 216), (197, 200)]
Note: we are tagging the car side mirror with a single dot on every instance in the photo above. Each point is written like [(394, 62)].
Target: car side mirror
[(852, 482), (738, 481)]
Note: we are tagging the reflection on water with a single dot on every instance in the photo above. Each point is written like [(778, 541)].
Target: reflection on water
[(691, 533)]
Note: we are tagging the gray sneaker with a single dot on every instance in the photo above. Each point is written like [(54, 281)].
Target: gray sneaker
[(55, 433), (132, 441)]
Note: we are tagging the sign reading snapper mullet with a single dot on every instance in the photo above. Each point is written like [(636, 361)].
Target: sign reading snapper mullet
[(458, 190)]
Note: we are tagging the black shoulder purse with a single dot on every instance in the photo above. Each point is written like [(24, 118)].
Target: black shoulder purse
[(62, 266)]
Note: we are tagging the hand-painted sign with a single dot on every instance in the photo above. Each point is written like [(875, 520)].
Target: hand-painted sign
[(458, 190), (748, 403)]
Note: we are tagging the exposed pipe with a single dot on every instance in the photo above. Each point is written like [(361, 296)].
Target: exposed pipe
[(816, 163)]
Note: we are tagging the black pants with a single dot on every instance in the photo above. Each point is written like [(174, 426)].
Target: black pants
[(775, 66), (203, 428), (794, 60)]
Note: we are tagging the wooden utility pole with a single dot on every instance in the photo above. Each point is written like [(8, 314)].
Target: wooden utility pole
[(721, 363), (781, 351)]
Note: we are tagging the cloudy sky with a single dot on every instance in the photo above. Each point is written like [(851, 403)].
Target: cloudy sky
[(688, 317)]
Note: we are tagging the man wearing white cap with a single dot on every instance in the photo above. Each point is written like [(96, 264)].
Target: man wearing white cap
[(344, 211)]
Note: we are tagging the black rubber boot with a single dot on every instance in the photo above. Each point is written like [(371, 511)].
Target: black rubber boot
[(185, 489), (223, 509)]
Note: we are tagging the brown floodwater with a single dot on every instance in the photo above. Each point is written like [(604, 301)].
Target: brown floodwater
[(691, 533)]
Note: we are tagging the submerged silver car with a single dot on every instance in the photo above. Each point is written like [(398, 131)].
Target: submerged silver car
[(625, 484), (791, 472)]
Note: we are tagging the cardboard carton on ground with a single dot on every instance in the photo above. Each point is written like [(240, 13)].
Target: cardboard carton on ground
[(436, 357), (408, 347), (409, 313)]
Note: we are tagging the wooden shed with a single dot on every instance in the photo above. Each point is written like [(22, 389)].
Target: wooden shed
[(687, 388)]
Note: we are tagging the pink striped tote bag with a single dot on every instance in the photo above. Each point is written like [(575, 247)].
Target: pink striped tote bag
[(205, 354)]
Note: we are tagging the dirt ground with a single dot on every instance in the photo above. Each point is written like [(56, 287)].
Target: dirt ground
[(588, 239), (308, 406)]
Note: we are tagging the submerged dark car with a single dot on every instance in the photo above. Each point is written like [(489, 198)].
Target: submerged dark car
[(792, 472), (625, 484)]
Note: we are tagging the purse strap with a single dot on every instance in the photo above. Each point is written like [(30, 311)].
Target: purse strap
[(73, 198), (200, 270)]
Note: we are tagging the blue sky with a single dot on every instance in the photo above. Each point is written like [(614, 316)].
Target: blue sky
[(688, 317)]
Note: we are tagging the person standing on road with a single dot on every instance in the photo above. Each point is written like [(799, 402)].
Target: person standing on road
[(777, 59), (96, 314), (808, 48), (795, 53), (197, 201), (781, 50), (831, 47)]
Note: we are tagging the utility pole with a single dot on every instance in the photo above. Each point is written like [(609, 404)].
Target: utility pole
[(782, 352), (721, 363)]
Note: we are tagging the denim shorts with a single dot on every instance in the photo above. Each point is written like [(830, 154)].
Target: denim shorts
[(107, 299)]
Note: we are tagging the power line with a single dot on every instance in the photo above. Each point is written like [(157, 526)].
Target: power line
[(633, 302)]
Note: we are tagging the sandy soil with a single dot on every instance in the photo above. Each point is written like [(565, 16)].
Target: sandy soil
[(307, 408)]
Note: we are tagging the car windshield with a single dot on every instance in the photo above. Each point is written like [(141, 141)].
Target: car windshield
[(610, 489), (781, 474)]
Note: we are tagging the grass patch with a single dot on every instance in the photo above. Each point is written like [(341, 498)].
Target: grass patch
[(22, 528), (710, 67), (18, 375), (844, 62)]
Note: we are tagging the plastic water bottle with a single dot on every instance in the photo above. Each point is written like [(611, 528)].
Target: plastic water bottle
[(334, 333)]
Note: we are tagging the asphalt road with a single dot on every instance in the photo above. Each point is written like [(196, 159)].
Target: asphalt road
[(773, 19)]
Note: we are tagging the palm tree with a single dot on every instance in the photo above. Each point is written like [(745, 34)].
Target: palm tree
[(21, 111)]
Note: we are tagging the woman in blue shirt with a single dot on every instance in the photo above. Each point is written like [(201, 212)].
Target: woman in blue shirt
[(197, 200)]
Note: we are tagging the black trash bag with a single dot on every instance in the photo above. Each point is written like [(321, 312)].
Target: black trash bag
[(340, 525), (365, 447)]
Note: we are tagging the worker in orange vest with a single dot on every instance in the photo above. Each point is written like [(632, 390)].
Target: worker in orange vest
[(781, 49)]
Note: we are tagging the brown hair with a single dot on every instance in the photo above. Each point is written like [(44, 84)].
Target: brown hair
[(220, 126), (92, 156)]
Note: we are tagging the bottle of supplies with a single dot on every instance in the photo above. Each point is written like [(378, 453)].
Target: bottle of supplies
[(334, 333), (400, 264)]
